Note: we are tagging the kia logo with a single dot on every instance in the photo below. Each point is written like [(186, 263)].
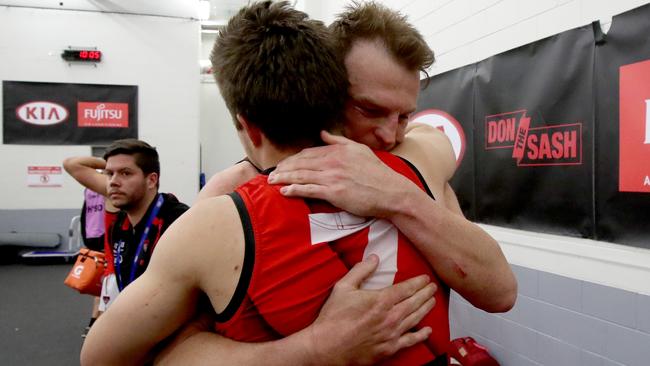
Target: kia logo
[(42, 113)]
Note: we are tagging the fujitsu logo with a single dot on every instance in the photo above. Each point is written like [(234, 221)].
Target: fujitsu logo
[(42, 113), (559, 144), (98, 114)]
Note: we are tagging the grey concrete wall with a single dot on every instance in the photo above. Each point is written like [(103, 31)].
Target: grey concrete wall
[(48, 221), (561, 321)]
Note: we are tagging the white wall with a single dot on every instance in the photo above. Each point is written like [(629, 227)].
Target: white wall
[(169, 8), (220, 147), (158, 54), (462, 32)]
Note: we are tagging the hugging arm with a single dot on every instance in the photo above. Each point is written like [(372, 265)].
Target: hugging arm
[(351, 177), (354, 327), (186, 263)]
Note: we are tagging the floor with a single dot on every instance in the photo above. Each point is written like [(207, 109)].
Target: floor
[(41, 320)]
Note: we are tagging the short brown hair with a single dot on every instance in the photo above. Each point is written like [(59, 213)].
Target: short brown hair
[(279, 69), (144, 155), (372, 21)]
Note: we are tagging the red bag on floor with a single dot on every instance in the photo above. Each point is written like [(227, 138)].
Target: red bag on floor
[(469, 353)]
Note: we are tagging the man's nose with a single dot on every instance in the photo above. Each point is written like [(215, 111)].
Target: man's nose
[(387, 132), (113, 180)]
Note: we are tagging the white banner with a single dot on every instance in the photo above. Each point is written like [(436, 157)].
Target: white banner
[(44, 176)]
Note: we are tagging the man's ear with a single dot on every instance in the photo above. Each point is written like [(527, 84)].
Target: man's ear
[(253, 132), (152, 180)]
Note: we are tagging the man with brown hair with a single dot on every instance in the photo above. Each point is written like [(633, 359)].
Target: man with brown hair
[(133, 178), (243, 249), (130, 180)]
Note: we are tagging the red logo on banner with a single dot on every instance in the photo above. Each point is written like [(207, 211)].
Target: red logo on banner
[(634, 128), (501, 129), (103, 114), (534, 146), (447, 124), (42, 113), (553, 145)]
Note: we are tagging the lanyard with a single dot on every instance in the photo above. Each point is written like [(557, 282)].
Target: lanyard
[(145, 233)]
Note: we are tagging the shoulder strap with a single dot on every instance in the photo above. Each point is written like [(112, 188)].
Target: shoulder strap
[(82, 221), (249, 261), (419, 175)]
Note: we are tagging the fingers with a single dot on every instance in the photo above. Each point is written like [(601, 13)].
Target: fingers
[(305, 183), (415, 302), (322, 157), (313, 158), (405, 289), (408, 338), (300, 176), (416, 316), (305, 161), (355, 277), (408, 313), (411, 338), (313, 191)]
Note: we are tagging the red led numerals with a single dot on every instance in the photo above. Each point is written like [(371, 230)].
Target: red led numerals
[(90, 55), (82, 55)]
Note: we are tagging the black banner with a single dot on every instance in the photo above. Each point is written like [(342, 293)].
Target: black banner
[(623, 124), (447, 104), (68, 114), (561, 132), (534, 127)]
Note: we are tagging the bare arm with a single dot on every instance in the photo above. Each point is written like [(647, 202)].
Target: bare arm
[(127, 332), (185, 263), (84, 170), (351, 177), (227, 180), (354, 327), (471, 260)]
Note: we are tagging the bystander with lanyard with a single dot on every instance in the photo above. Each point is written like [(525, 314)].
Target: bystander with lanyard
[(133, 172)]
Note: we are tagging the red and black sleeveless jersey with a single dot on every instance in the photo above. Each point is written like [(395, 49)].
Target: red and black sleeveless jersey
[(297, 249)]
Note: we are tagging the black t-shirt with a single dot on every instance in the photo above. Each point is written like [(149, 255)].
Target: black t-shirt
[(125, 240)]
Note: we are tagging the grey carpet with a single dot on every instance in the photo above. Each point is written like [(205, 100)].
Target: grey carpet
[(41, 319)]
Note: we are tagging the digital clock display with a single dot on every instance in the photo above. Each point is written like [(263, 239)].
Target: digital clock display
[(82, 55)]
